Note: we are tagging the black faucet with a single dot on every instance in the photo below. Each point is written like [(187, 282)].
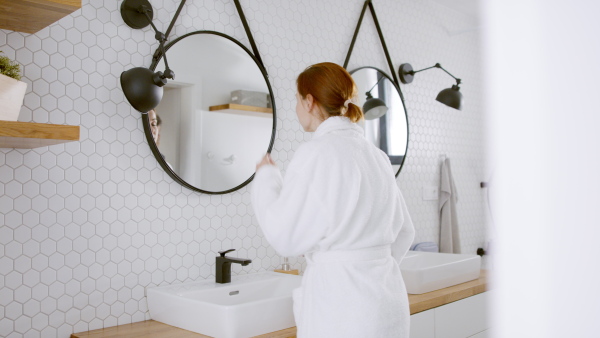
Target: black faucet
[(223, 273)]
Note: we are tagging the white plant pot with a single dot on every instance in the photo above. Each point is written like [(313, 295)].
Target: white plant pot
[(12, 93)]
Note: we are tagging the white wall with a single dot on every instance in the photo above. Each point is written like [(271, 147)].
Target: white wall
[(86, 226), (544, 123), (244, 135)]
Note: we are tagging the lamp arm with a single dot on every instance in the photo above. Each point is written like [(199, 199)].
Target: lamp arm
[(447, 72), (413, 72), (437, 65), (144, 10), (376, 83), (168, 73)]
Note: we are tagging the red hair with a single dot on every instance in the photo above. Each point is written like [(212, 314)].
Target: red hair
[(330, 85)]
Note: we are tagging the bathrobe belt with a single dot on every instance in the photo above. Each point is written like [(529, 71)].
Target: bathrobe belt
[(355, 255)]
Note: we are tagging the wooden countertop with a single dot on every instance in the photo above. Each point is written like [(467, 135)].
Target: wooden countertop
[(426, 301), (154, 329), (418, 303)]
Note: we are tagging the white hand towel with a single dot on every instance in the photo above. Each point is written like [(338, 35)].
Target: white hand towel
[(449, 236)]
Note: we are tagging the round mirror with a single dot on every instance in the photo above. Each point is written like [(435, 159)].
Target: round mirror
[(389, 131), (216, 119)]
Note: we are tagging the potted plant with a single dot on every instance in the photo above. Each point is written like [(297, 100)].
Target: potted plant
[(12, 90)]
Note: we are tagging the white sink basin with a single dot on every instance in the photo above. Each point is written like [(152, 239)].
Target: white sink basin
[(250, 305), (429, 271)]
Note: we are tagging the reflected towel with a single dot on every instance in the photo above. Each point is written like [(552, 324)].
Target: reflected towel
[(449, 236)]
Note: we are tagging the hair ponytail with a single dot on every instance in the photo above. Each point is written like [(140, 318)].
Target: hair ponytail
[(330, 85), (354, 113)]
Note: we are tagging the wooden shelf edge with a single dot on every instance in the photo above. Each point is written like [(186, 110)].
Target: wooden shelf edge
[(29, 135), (32, 16), (234, 106)]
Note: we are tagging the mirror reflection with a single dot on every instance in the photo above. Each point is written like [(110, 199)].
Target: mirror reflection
[(389, 131), (216, 118)]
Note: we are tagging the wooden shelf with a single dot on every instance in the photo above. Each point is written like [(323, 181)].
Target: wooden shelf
[(230, 107), (28, 135), (30, 16)]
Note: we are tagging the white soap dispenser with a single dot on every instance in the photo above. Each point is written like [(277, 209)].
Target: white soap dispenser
[(286, 268)]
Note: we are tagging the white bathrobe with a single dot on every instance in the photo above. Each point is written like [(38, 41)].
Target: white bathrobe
[(339, 205)]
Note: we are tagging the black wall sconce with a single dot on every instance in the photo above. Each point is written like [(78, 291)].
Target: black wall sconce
[(449, 96), (142, 87), (374, 108)]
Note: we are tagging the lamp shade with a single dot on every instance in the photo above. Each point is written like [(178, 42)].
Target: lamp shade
[(374, 108), (451, 97), (140, 89)]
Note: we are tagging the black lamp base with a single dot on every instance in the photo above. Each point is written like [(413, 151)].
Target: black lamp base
[(131, 14), (404, 72)]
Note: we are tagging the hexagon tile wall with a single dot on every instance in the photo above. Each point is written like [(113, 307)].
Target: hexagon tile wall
[(86, 226)]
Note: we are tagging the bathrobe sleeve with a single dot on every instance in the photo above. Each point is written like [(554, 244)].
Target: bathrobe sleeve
[(291, 211), (406, 235)]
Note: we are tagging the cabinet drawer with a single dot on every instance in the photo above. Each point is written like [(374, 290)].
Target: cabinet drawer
[(463, 318), (422, 324)]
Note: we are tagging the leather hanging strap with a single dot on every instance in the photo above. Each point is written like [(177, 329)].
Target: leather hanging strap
[(249, 33), (369, 3)]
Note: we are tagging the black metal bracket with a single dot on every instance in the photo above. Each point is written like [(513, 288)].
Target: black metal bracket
[(138, 14), (135, 13), (407, 73), (369, 3)]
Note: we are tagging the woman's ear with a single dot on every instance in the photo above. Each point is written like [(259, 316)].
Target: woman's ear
[(310, 101)]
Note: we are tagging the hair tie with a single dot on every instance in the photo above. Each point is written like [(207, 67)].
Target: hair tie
[(344, 110)]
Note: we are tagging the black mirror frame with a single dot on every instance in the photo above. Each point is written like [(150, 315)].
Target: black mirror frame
[(148, 132), (403, 106)]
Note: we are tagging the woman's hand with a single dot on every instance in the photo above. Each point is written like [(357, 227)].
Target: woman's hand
[(266, 160)]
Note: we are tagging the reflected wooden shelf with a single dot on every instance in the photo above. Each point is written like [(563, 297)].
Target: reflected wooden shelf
[(30, 16), (232, 107), (29, 135)]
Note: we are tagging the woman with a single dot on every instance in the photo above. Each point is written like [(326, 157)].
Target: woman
[(155, 123), (340, 207)]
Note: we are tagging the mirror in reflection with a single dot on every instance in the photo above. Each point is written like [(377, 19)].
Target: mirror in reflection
[(216, 119), (385, 126)]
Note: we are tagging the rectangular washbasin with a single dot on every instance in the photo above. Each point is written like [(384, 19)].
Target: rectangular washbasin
[(250, 305), (429, 271)]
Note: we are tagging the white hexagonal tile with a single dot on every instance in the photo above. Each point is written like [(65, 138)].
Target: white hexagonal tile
[(79, 77)]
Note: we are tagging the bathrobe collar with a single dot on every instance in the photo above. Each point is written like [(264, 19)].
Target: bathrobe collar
[(337, 123)]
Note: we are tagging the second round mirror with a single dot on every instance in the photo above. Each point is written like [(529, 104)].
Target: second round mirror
[(390, 131)]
